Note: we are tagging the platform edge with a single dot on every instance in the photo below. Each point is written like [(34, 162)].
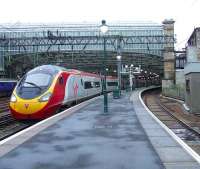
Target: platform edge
[(169, 131)]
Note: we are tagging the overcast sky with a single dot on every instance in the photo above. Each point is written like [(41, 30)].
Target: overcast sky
[(186, 13)]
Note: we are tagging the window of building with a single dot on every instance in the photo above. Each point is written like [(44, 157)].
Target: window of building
[(187, 85)]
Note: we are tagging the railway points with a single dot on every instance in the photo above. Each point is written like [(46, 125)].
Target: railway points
[(83, 136)]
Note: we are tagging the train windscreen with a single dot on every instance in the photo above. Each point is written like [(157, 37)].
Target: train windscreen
[(38, 79), (34, 84)]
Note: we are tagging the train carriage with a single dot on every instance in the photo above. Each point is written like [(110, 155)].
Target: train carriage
[(43, 90), (6, 87)]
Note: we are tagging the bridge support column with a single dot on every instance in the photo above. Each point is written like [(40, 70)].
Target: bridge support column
[(168, 57)]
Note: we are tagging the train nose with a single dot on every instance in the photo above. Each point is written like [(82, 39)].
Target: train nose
[(27, 106)]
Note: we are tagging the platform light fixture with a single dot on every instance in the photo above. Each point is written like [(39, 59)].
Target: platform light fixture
[(119, 58), (104, 29)]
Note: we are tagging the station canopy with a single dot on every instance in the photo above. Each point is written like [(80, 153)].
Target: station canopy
[(81, 45)]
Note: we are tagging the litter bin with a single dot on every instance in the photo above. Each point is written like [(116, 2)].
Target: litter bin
[(116, 94)]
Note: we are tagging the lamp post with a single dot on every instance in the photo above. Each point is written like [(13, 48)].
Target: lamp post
[(104, 29), (119, 57), (129, 70), (131, 77)]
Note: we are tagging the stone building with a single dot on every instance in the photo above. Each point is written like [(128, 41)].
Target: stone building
[(192, 72)]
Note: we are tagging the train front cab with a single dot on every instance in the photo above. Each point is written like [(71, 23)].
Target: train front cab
[(38, 95)]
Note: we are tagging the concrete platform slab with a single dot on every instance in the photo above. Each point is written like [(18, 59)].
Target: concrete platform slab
[(151, 126), (174, 154), (163, 142), (157, 132)]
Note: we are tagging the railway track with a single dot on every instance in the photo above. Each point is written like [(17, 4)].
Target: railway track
[(6, 119), (4, 104), (163, 110), (3, 99), (8, 125), (4, 108)]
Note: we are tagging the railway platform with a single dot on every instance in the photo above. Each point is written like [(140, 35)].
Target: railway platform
[(127, 137)]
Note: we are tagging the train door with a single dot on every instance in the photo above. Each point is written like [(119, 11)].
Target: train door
[(81, 91), (87, 86), (69, 89), (61, 86), (78, 86)]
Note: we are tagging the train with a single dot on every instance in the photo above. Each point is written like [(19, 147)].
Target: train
[(42, 91), (6, 87)]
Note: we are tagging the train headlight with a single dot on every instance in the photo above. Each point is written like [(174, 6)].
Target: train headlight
[(13, 98), (45, 97)]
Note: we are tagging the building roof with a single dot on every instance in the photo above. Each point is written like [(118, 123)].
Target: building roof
[(17, 27), (192, 40)]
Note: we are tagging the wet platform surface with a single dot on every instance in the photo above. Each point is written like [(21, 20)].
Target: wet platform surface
[(89, 139)]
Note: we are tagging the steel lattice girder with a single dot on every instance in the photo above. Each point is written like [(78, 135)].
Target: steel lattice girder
[(79, 45), (83, 41), (88, 59)]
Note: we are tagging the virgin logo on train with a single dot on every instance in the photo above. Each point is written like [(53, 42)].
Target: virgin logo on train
[(26, 106), (75, 89)]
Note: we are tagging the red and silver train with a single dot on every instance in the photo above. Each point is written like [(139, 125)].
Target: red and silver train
[(44, 89)]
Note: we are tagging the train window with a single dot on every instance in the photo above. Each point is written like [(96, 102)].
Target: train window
[(88, 85), (97, 84), (112, 83), (82, 82), (61, 81)]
